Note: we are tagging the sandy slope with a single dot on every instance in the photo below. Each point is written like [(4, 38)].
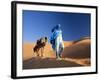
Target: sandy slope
[(38, 62)]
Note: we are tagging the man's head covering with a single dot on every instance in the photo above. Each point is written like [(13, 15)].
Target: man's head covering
[(57, 27)]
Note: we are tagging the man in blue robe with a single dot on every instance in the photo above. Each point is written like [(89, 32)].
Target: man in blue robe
[(56, 40)]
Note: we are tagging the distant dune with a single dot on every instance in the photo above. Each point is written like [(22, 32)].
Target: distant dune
[(27, 50), (76, 53)]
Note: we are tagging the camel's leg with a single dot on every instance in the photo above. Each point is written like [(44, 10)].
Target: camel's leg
[(37, 52), (42, 51), (34, 53)]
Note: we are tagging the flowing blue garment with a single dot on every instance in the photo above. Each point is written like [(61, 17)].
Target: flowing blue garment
[(56, 40)]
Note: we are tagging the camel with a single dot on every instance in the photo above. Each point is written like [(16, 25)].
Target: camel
[(40, 44)]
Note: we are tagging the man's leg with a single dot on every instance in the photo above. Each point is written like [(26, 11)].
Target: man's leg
[(57, 49), (61, 47)]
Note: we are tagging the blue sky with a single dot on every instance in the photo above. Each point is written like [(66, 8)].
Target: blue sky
[(38, 24)]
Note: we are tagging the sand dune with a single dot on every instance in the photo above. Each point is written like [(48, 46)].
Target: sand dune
[(75, 54), (81, 49)]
